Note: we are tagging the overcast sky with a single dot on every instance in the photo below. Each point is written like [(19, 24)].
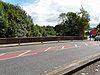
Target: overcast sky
[(46, 12)]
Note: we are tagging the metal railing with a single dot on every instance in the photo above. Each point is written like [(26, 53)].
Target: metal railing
[(38, 39)]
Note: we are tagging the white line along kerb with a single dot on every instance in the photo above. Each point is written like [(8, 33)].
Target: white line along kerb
[(47, 49), (24, 53)]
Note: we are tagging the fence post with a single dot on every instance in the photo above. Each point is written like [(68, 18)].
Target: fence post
[(58, 38), (18, 41), (41, 40)]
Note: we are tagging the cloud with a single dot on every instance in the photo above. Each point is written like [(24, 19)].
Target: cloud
[(46, 12)]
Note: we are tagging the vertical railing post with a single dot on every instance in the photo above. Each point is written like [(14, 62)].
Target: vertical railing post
[(19, 41), (41, 40)]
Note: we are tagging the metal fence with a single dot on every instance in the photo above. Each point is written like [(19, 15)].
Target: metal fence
[(38, 39)]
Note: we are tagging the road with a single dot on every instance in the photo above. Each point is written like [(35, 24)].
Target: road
[(43, 58)]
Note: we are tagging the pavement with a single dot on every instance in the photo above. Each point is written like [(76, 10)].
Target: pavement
[(92, 69)]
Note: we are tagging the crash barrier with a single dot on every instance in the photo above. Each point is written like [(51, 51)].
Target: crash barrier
[(38, 39)]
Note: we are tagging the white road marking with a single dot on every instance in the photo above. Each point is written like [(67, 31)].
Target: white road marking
[(86, 44), (95, 44), (2, 54), (63, 47), (96, 70), (23, 53), (76, 46), (9, 58), (83, 74), (47, 49), (30, 54), (56, 67), (17, 56), (45, 71)]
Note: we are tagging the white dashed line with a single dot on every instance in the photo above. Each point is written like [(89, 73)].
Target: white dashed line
[(2, 54), (86, 44), (47, 49), (9, 58), (63, 47), (23, 53), (95, 44), (76, 46), (45, 71), (30, 54)]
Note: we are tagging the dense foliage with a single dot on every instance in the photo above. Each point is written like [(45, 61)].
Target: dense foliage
[(14, 22), (98, 28), (73, 24)]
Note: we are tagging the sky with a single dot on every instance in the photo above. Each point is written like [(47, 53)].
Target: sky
[(46, 12)]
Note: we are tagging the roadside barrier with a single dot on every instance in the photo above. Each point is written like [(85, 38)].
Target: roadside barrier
[(38, 39)]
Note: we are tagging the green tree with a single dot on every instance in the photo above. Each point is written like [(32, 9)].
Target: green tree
[(43, 31), (36, 31), (2, 27), (98, 28), (85, 18), (69, 24), (73, 24), (50, 31), (14, 21)]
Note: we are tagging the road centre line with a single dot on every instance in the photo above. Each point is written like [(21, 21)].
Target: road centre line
[(23, 53), (47, 49)]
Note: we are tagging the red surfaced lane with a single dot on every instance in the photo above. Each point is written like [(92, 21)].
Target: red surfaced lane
[(32, 52), (10, 55), (15, 54)]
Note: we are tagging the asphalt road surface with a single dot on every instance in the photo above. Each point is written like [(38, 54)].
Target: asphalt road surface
[(43, 58)]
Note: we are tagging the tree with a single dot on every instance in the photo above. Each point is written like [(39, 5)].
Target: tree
[(36, 31), (14, 21), (98, 28), (73, 24), (59, 29), (69, 24), (84, 14), (2, 27), (43, 31), (50, 31), (85, 18)]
